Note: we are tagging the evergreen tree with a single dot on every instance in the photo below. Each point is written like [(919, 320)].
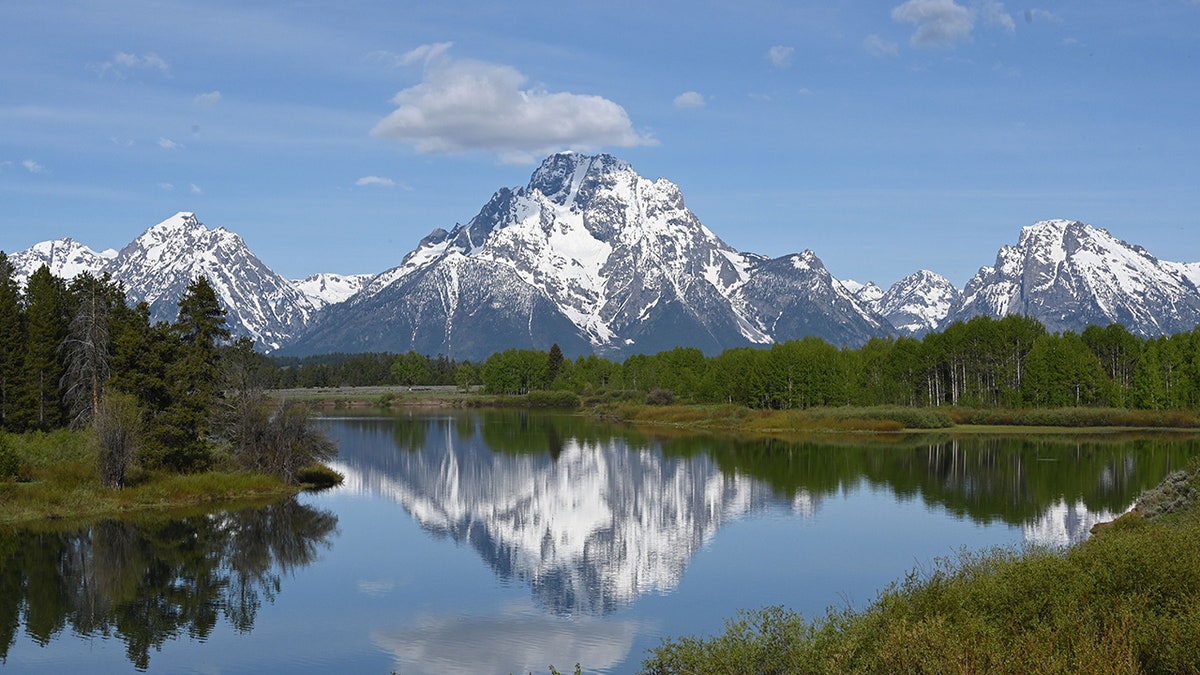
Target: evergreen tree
[(46, 329), (181, 430), (12, 343)]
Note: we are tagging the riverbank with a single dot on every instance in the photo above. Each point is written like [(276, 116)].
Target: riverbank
[(56, 479), (1124, 601), (629, 408)]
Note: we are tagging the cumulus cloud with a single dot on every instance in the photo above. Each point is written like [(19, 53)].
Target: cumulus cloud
[(690, 99), (168, 144), (464, 105), (208, 99), (940, 23), (780, 56), (945, 23), (122, 63), (877, 46), (32, 166), (379, 181)]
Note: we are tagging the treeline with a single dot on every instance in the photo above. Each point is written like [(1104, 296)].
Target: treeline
[(1011, 362), (159, 395)]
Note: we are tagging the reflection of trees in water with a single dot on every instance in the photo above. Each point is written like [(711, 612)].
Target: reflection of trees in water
[(1014, 480), (149, 582)]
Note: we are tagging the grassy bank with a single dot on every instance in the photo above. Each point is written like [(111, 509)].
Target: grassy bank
[(1125, 601), (55, 477)]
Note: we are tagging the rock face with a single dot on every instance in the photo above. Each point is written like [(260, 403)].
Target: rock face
[(594, 257), (1069, 275)]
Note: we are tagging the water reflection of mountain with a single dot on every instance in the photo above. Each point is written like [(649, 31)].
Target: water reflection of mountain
[(592, 517), (590, 526), (153, 580)]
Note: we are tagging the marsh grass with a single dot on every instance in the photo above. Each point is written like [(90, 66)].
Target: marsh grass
[(882, 419), (59, 481), (1124, 601)]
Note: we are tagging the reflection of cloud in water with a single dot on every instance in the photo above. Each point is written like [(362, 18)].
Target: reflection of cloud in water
[(376, 588), (1064, 524), (509, 643)]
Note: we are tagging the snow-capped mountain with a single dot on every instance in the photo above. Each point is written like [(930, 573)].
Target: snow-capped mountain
[(327, 289), (594, 257), (66, 259), (158, 266), (918, 303), (1069, 275)]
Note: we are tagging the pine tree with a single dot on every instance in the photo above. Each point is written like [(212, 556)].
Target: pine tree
[(193, 379), (12, 344), (46, 321)]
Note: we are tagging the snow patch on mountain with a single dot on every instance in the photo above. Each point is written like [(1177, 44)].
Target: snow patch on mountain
[(327, 289)]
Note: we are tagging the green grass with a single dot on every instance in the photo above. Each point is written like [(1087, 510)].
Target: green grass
[(57, 479), (1125, 601)]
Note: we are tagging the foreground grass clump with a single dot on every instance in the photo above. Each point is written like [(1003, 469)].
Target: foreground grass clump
[(1125, 601), (57, 478)]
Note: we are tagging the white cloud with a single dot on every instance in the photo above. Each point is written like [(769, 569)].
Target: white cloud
[(780, 56), (32, 166), (690, 99), (945, 23), (195, 189), (877, 46), (375, 180), (940, 23), (123, 62), (208, 99), (166, 187), (463, 105), (168, 144), (993, 13)]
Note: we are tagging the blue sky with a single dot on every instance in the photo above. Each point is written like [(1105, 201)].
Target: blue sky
[(885, 136)]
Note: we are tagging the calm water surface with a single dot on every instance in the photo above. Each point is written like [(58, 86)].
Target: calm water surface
[(505, 542)]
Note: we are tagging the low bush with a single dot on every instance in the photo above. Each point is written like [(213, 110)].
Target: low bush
[(552, 399), (319, 477), (660, 397)]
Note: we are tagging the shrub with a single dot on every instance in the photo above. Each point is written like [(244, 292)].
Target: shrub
[(10, 464), (660, 397), (552, 399), (319, 476)]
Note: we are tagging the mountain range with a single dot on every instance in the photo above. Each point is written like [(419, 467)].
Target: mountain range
[(596, 258)]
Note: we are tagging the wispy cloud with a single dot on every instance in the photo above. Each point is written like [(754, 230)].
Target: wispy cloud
[(378, 181), (122, 63), (195, 189), (168, 144), (464, 105), (690, 99), (879, 47), (780, 56), (166, 187), (32, 166), (207, 99)]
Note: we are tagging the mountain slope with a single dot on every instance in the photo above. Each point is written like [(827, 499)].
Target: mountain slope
[(1069, 275), (158, 266), (918, 303), (594, 257)]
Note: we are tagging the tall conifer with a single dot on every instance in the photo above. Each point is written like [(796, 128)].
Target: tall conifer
[(12, 345)]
